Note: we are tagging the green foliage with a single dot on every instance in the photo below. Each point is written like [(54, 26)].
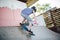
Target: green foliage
[(43, 8)]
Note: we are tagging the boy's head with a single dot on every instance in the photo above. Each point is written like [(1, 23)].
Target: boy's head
[(34, 8)]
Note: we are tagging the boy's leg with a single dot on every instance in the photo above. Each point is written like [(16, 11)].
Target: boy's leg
[(29, 20), (26, 17), (24, 27), (24, 20)]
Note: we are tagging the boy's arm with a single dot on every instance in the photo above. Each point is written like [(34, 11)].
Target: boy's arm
[(35, 21), (34, 14)]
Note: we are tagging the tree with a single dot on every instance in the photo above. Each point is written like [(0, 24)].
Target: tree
[(42, 8)]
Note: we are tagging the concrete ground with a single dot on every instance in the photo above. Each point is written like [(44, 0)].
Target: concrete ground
[(41, 33), (16, 33)]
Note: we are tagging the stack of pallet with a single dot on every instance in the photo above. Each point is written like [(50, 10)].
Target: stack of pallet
[(52, 17), (55, 14), (48, 21)]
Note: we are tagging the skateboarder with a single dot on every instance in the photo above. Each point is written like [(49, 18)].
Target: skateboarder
[(26, 12)]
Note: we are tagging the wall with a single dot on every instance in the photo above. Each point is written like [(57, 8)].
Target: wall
[(10, 13)]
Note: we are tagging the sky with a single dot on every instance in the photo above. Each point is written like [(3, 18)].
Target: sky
[(53, 3)]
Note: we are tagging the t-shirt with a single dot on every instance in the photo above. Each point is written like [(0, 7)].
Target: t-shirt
[(27, 11)]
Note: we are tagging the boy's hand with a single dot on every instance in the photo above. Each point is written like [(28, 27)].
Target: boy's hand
[(35, 22)]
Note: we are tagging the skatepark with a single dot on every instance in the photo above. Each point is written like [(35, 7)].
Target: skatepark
[(10, 17)]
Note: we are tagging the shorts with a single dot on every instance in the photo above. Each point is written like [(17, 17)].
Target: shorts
[(27, 17)]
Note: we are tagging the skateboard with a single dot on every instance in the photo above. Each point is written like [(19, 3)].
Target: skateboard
[(26, 29), (30, 33)]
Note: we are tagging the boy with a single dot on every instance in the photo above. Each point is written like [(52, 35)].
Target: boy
[(25, 14)]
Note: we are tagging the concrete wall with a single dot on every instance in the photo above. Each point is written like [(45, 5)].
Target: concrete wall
[(10, 17), (10, 13)]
